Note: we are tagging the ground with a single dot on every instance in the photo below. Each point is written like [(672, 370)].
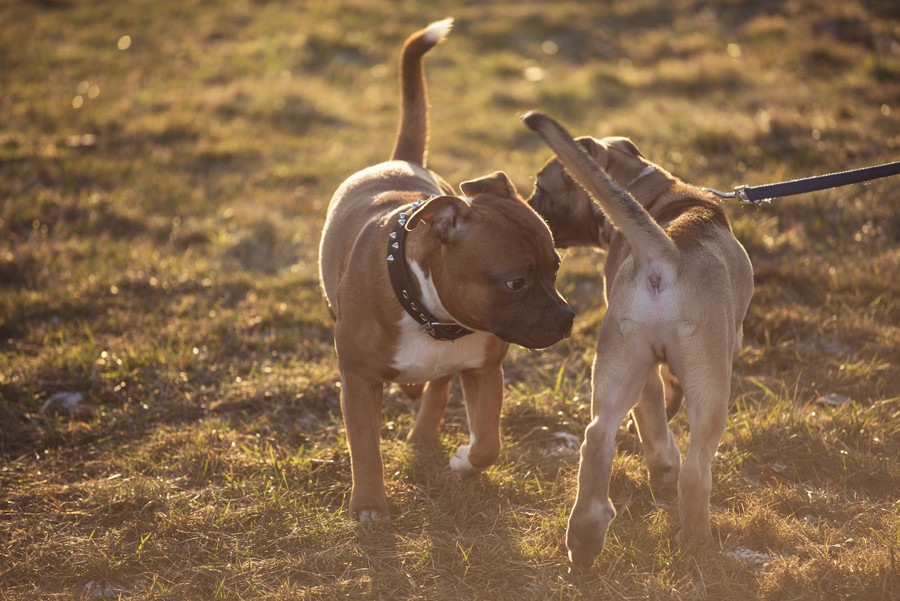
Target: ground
[(164, 171)]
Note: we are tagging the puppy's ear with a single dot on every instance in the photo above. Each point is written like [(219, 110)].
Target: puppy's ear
[(446, 215), (596, 149), (623, 145), (496, 183)]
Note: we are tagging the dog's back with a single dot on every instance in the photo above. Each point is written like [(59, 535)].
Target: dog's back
[(679, 284), (376, 190), (686, 245)]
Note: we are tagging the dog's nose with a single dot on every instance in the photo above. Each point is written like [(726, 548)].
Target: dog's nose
[(570, 320), (567, 319)]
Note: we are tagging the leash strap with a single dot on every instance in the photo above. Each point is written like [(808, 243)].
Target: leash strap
[(754, 194), (401, 281)]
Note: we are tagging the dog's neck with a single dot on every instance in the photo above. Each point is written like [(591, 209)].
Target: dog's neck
[(663, 204), (413, 288)]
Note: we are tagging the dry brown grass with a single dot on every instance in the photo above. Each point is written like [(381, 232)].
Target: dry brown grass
[(157, 255)]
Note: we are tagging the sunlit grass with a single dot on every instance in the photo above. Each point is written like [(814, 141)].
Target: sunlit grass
[(160, 207)]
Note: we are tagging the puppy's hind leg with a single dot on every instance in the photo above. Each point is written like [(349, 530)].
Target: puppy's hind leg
[(707, 386), (431, 411), (620, 370), (660, 448)]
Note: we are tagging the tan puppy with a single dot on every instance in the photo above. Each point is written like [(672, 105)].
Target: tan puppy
[(425, 285), (678, 285)]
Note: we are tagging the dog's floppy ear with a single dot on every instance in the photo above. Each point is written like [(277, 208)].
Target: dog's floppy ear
[(496, 183), (446, 215), (623, 145), (596, 149)]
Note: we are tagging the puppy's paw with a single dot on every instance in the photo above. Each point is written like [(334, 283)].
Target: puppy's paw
[(586, 533), (688, 539), (584, 547), (369, 516), (460, 464), (369, 508), (665, 489)]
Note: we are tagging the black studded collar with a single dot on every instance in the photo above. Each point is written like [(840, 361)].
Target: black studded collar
[(401, 280)]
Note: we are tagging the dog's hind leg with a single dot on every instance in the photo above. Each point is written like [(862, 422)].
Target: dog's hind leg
[(707, 386), (431, 411), (620, 370), (660, 448)]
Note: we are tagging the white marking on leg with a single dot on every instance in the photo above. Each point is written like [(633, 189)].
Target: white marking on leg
[(459, 463), (373, 515)]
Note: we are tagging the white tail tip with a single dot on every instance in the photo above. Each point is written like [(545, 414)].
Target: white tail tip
[(437, 31)]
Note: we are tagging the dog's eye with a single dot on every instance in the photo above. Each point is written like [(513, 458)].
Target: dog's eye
[(516, 284)]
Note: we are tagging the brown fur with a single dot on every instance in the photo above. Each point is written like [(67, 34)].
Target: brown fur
[(462, 254)]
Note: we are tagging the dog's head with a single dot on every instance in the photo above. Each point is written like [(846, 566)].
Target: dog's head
[(496, 266), (573, 217)]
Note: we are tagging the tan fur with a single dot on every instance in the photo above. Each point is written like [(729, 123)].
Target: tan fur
[(463, 252), (677, 292)]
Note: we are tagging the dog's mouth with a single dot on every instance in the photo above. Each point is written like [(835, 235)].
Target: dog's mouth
[(547, 330), (537, 343)]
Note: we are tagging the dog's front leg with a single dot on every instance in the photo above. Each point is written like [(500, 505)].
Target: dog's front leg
[(619, 373), (483, 391), (361, 405)]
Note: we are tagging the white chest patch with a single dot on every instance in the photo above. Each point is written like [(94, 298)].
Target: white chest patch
[(420, 357)]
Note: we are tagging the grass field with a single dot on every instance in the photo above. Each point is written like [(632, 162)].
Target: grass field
[(164, 169)]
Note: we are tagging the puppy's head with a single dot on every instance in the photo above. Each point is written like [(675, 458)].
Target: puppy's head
[(496, 269), (573, 217)]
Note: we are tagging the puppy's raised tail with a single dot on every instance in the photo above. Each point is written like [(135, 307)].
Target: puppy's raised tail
[(412, 135), (647, 239)]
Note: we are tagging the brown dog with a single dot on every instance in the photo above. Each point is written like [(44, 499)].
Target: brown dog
[(678, 285), (425, 285)]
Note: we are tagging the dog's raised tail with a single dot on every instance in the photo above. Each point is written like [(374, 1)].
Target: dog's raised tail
[(412, 135), (647, 239)]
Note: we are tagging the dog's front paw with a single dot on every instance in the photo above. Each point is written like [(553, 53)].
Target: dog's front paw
[(585, 545), (460, 464), (586, 533), (664, 484), (368, 507), (689, 539), (368, 516)]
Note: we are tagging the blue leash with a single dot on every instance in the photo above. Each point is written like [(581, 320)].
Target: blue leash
[(755, 194)]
